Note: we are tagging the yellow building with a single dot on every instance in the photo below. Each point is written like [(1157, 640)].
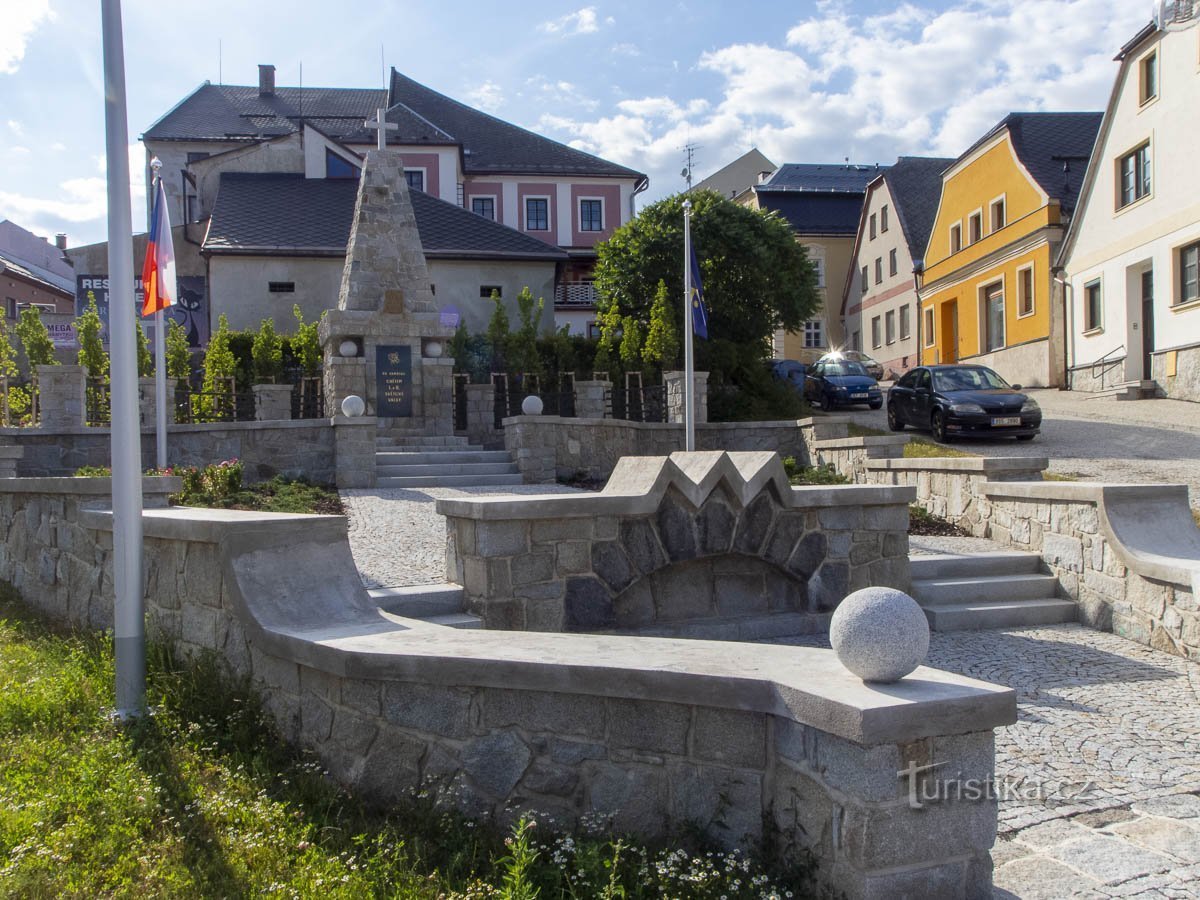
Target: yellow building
[(988, 292)]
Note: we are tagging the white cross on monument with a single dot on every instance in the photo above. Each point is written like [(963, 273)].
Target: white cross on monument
[(381, 128)]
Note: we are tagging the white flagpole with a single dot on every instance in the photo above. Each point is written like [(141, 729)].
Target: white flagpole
[(129, 625), (160, 391), (689, 407)]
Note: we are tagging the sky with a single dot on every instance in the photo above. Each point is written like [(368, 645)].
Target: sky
[(634, 81)]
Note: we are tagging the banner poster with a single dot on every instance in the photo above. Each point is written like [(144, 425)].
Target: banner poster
[(191, 311)]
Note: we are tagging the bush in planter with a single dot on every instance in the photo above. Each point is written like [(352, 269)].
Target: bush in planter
[(145, 360), (34, 337), (267, 351), (179, 352), (306, 343)]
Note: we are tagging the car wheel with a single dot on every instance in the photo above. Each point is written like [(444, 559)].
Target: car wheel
[(937, 424), (1026, 437), (878, 405), (893, 417)]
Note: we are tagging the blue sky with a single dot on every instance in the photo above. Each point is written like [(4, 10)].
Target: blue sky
[(631, 81)]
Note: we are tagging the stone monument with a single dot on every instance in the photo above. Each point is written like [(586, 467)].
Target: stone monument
[(384, 341)]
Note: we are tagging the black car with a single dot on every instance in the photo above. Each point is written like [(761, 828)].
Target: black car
[(962, 401), (839, 382)]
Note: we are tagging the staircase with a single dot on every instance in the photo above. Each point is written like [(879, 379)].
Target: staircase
[(987, 590), (416, 460), (1146, 389), (437, 604)]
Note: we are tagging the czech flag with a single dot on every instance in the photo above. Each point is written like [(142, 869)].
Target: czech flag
[(158, 271), (699, 313)]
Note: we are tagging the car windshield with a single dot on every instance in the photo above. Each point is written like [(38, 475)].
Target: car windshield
[(969, 378), (844, 367)]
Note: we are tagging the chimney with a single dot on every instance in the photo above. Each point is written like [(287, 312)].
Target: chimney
[(266, 81), (60, 241)]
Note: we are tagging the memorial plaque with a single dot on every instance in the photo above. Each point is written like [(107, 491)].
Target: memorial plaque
[(393, 380)]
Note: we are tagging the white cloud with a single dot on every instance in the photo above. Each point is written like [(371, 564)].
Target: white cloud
[(488, 96), (624, 49), (21, 20), (560, 93), (583, 21), (16, 127)]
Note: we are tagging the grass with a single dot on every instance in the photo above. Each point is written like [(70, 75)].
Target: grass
[(1061, 476), (277, 495), (202, 799), (826, 474), (918, 446)]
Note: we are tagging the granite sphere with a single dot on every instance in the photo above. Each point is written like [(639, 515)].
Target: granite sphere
[(353, 406), (348, 348), (532, 405), (879, 634)]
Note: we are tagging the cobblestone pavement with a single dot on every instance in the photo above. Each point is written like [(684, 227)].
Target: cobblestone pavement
[(397, 537), (1139, 441)]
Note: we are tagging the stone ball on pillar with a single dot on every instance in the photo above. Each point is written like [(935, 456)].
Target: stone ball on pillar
[(879, 634), (348, 348), (353, 406), (532, 405)]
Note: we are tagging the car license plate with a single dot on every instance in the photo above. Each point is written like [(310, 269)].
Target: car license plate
[(858, 396), (1006, 420)]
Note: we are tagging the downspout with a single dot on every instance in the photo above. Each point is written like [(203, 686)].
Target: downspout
[(917, 273), (1059, 275)]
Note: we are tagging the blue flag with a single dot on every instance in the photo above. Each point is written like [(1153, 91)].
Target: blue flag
[(699, 313)]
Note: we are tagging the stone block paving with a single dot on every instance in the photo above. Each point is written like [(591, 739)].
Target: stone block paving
[(1099, 780)]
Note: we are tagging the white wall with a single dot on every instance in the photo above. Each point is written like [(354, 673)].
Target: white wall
[(457, 284), (238, 288)]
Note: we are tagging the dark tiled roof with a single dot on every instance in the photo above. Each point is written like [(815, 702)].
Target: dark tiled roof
[(1054, 147), (821, 177), (816, 213), (915, 183), (293, 214)]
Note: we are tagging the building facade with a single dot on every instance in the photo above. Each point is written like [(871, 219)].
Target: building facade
[(1132, 256), (988, 294), (879, 303)]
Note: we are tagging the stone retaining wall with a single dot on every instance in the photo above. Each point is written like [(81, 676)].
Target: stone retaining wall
[(653, 734), (1177, 372)]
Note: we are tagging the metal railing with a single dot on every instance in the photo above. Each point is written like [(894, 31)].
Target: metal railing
[(98, 399), (637, 403), (575, 295), (1100, 367)]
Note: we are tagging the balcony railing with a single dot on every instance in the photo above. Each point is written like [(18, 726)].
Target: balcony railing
[(575, 295)]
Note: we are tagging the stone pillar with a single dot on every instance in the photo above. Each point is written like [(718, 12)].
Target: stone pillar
[(148, 399), (9, 457), (674, 382), (61, 396), (354, 451), (589, 399), (343, 376), (481, 413), (272, 402), (437, 394)]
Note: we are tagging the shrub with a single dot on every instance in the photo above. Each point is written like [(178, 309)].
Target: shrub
[(222, 480), (306, 343), (179, 352), (145, 359), (35, 339), (267, 350)]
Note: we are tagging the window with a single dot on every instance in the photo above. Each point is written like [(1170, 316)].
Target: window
[(537, 214), (10, 307), (875, 333), (893, 265), (998, 214), (819, 265), (486, 291), (1133, 175), (865, 279), (813, 333), (905, 325), (1189, 273), (878, 269), (593, 331), (955, 237), (929, 327), (591, 215), (1148, 78), (883, 218), (993, 316), (484, 206), (1092, 310), (196, 156), (856, 340), (281, 287), (889, 326), (415, 179), (1025, 291), (974, 227), (872, 226), (336, 167)]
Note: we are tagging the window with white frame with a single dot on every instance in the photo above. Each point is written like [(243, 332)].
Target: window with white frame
[(415, 179), (929, 327), (883, 218), (865, 280), (1093, 309), (878, 269), (1025, 291), (992, 301), (1189, 273), (872, 220), (484, 206), (998, 214), (1148, 78), (819, 266), (905, 325), (889, 326), (955, 237), (893, 262), (591, 215), (1133, 175), (875, 342), (814, 333), (537, 213), (974, 227)]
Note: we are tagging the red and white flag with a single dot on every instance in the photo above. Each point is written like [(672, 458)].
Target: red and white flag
[(158, 271)]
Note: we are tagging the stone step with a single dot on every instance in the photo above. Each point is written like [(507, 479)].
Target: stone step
[(1012, 614), (421, 440), (446, 469), (456, 620), (742, 628), (448, 457), (981, 590), (949, 565), (418, 481), (420, 601)]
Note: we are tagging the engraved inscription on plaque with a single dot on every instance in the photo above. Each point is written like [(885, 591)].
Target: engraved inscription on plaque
[(393, 380)]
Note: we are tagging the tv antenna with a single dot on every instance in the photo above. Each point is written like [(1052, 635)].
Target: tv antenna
[(689, 152)]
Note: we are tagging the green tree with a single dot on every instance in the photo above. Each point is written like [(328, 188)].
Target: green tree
[(8, 355), (220, 365), (662, 340), (457, 347), (267, 352), (499, 333), (631, 344), (306, 343), (179, 353), (35, 339), (522, 346), (91, 349), (756, 278), (145, 360)]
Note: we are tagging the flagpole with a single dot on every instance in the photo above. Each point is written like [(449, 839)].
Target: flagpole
[(689, 408), (129, 625), (160, 392)]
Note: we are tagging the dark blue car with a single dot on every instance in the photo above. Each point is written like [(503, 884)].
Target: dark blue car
[(841, 382)]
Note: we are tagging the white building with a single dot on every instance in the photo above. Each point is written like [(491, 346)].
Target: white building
[(1132, 255)]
